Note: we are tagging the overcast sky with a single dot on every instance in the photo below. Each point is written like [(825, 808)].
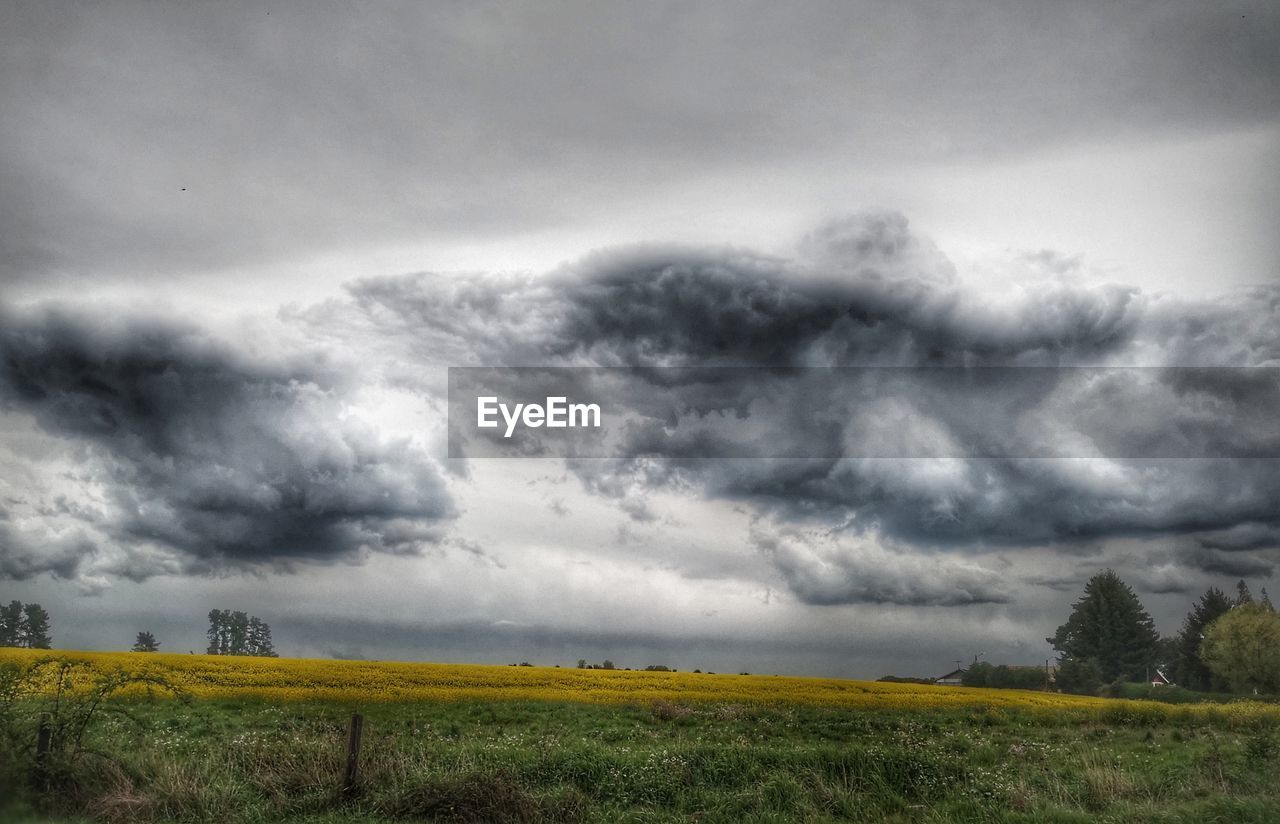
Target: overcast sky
[(241, 243)]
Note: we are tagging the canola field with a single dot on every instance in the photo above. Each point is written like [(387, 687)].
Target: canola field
[(374, 682)]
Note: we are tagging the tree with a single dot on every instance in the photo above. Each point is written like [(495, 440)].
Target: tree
[(36, 635), (1189, 669), (146, 643), (1081, 676), (12, 624), (982, 674), (1108, 626), (978, 674), (258, 639), (24, 625), (238, 633), (217, 642), (1243, 595), (1243, 649)]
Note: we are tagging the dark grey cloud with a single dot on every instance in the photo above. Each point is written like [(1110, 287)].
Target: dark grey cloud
[(1233, 564), (1058, 583), (200, 449), (27, 553), (867, 291), (220, 456), (823, 571), (1244, 536), (873, 293)]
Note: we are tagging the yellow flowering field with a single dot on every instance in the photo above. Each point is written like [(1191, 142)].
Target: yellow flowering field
[(359, 682)]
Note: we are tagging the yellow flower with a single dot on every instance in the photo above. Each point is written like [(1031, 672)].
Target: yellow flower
[(363, 682)]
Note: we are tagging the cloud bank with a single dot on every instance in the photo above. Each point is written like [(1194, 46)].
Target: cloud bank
[(200, 452)]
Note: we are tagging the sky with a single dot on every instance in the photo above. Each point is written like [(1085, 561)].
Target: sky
[(241, 243)]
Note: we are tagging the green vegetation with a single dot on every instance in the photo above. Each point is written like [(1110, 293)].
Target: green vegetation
[(1109, 636), (146, 642), (1005, 677), (115, 751), (24, 625), (237, 633), (1189, 670), (1176, 695), (1242, 648), (250, 761)]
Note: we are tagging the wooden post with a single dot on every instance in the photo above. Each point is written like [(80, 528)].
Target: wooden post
[(44, 737), (44, 742), (353, 754)]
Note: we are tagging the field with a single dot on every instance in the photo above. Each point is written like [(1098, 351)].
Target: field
[(264, 740)]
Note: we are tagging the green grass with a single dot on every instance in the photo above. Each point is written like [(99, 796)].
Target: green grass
[(246, 761), (1178, 695)]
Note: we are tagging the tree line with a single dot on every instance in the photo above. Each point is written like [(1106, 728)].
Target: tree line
[(1225, 644), (230, 632), (238, 633), (982, 674)]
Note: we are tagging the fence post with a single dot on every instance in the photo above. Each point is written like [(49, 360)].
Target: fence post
[(353, 754), (44, 742)]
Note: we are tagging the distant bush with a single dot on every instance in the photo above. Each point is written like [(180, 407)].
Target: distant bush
[(905, 679), (1180, 695), (1004, 677)]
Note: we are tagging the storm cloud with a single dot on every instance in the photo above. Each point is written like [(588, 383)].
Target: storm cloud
[(171, 449), (203, 452), (867, 291)]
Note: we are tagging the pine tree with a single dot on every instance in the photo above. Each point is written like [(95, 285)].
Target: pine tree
[(1109, 626), (1190, 670), (1243, 595), (146, 643), (36, 631)]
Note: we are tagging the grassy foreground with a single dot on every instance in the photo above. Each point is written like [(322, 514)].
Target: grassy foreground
[(476, 744)]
